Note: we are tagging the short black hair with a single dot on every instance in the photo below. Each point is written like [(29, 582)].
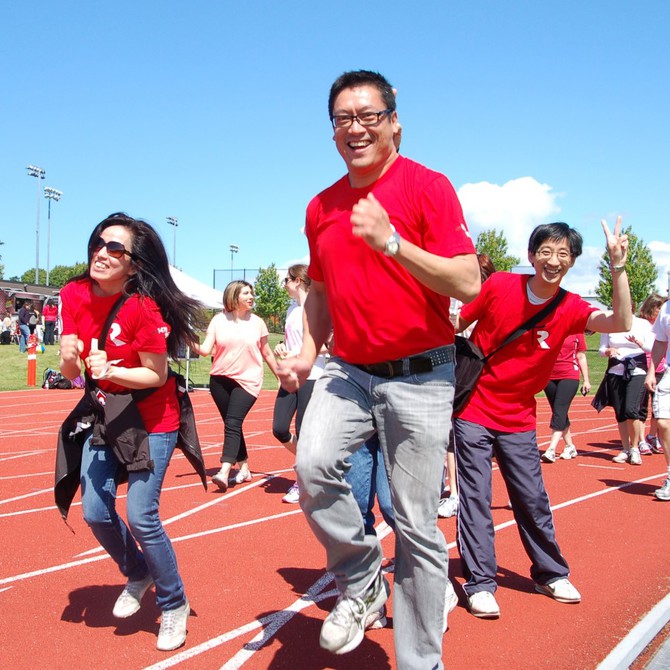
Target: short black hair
[(356, 78), (556, 232)]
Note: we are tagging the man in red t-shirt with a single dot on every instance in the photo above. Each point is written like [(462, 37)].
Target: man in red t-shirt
[(388, 247), (499, 417)]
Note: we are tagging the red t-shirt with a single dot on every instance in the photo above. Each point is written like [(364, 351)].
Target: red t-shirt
[(379, 310), (138, 326), (504, 397), (566, 366), (50, 313)]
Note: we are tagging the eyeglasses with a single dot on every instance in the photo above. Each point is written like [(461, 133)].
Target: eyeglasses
[(364, 118), (289, 279), (545, 254), (114, 249)]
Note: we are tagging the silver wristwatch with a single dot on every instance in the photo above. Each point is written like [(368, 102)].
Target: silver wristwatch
[(392, 244)]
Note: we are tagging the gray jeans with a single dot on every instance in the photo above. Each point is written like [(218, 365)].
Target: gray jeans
[(412, 415)]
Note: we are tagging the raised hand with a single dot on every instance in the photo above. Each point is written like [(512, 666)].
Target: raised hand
[(617, 244)]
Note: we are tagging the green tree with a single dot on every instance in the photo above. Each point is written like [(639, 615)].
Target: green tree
[(494, 245), (28, 277), (272, 300), (641, 270), (60, 274)]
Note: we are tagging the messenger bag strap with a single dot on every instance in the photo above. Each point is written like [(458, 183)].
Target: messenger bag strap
[(531, 323)]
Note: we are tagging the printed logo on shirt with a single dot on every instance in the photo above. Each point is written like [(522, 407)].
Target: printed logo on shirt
[(114, 333), (164, 331), (542, 336)]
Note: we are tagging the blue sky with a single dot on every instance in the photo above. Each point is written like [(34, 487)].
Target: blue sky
[(215, 113)]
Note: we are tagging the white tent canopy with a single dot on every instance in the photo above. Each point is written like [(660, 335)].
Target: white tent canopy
[(196, 289)]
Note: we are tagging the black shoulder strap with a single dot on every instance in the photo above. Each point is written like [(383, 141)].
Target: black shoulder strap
[(532, 322)]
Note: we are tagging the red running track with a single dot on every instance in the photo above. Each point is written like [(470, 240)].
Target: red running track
[(255, 575)]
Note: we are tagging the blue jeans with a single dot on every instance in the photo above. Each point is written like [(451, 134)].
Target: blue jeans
[(367, 478), (24, 334), (412, 416), (100, 472)]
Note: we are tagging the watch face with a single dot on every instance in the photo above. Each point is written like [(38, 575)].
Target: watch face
[(392, 245)]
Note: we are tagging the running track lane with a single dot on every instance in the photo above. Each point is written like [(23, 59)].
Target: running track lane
[(255, 575)]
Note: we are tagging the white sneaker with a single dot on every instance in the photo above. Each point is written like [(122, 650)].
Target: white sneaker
[(645, 448), (130, 599), (376, 620), (622, 457), (221, 480), (635, 458), (448, 507), (292, 495), (450, 602), (343, 629), (172, 633), (483, 605), (569, 452), (664, 492), (561, 590), (549, 456)]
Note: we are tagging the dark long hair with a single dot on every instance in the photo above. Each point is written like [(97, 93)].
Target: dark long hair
[(152, 278)]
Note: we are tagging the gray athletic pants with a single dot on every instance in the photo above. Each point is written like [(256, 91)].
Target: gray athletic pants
[(519, 461)]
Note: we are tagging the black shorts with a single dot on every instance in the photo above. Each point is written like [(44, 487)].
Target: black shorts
[(627, 397)]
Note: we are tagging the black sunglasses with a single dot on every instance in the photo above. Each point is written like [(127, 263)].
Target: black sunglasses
[(114, 249)]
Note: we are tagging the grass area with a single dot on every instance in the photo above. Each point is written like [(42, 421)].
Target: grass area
[(14, 366)]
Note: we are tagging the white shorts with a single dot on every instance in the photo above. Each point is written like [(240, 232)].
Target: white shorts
[(661, 401)]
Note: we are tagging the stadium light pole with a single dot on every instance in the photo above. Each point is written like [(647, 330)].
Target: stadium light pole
[(174, 222), (233, 250), (50, 194), (34, 171)]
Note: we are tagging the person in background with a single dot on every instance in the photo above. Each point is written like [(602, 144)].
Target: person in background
[(625, 377), (49, 316), (239, 340), (25, 314), (448, 506), (288, 404), (388, 246), (137, 412), (561, 389), (661, 391), (649, 311)]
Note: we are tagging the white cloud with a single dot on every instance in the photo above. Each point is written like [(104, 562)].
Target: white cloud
[(516, 208)]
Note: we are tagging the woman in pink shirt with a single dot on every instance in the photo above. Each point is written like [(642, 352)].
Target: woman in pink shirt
[(238, 339)]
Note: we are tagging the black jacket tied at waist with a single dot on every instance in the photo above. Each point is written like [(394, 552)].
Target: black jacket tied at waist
[(117, 423)]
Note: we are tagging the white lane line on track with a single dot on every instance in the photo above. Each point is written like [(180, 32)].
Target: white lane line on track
[(93, 559), (25, 454), (26, 495), (30, 474), (282, 617)]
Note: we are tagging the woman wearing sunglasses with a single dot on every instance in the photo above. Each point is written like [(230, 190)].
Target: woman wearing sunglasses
[(128, 273)]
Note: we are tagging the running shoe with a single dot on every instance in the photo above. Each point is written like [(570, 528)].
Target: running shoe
[(292, 495), (645, 448), (655, 444), (130, 599), (483, 605), (343, 629), (549, 456), (448, 507), (561, 590), (664, 492), (635, 458), (569, 452), (622, 457), (172, 633)]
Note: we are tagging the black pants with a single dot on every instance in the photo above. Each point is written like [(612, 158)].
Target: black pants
[(560, 393), (286, 405), (233, 403), (49, 328)]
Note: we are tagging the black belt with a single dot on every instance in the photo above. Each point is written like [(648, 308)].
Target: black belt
[(412, 365)]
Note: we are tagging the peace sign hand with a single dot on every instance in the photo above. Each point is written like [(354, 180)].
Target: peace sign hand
[(617, 244)]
